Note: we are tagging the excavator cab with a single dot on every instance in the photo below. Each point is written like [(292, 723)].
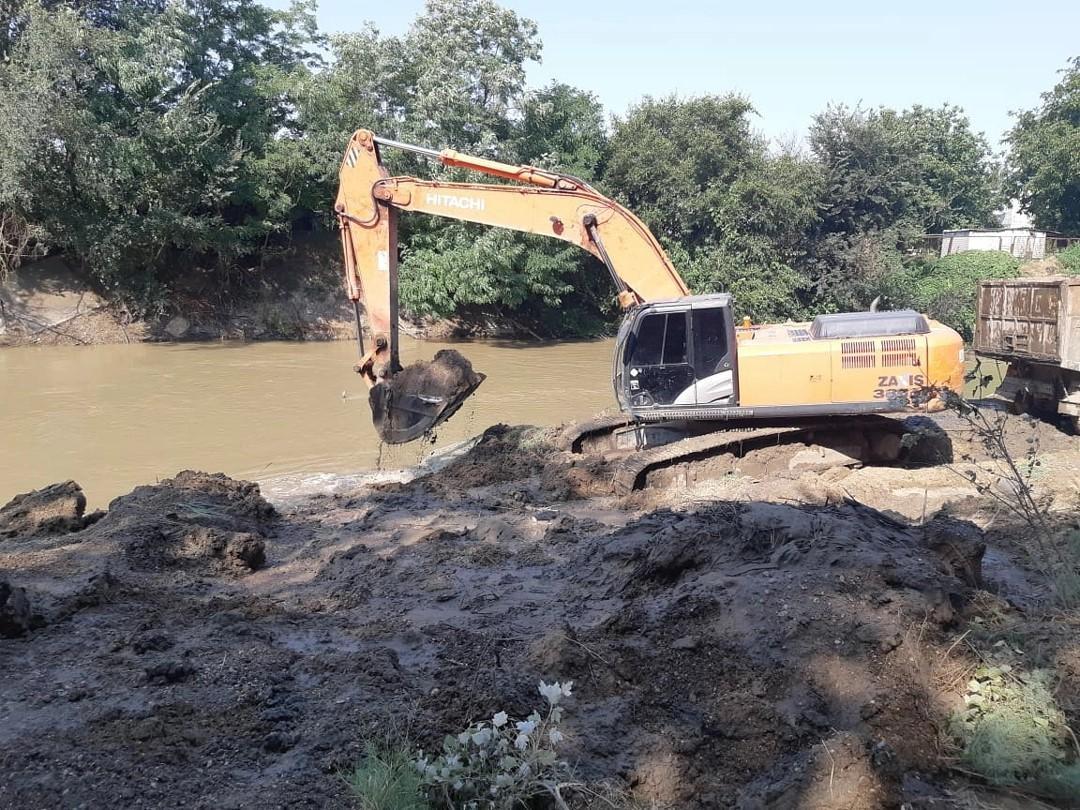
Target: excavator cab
[(677, 354)]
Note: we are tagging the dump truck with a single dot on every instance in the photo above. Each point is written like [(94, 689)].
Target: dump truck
[(1033, 324)]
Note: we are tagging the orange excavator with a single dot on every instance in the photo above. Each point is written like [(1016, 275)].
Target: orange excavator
[(682, 365)]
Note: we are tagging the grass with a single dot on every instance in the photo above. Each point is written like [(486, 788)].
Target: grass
[(386, 779)]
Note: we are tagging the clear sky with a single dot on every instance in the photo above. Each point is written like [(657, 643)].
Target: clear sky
[(791, 58)]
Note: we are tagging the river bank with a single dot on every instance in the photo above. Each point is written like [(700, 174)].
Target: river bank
[(774, 637)]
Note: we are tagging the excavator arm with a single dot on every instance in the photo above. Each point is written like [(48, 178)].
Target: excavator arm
[(542, 202)]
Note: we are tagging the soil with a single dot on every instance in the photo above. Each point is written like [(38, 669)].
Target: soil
[(769, 637)]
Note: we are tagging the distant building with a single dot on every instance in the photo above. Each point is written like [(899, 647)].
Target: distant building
[(1023, 243)]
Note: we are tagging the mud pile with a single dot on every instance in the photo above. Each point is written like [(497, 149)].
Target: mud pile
[(725, 652)]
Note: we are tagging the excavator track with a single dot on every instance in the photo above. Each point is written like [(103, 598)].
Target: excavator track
[(576, 433), (631, 471)]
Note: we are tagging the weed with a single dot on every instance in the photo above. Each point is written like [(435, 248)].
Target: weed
[(387, 779), (494, 765), (1013, 733)]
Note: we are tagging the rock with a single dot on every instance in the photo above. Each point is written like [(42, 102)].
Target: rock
[(57, 508), (14, 611), (177, 327), (817, 459), (685, 643)]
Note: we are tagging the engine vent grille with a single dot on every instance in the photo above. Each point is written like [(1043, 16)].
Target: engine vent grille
[(858, 354), (898, 352), (799, 335)]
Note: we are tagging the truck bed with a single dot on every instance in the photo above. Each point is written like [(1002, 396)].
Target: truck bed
[(1031, 319)]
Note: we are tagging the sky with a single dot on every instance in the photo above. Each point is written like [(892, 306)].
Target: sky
[(790, 58)]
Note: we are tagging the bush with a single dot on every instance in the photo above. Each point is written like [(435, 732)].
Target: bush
[(1070, 259), (945, 289)]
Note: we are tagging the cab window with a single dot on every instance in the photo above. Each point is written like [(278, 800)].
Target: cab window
[(710, 340), (660, 340)]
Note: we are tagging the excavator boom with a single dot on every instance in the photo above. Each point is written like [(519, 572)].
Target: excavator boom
[(406, 404)]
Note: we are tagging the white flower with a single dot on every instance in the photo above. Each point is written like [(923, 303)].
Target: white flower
[(463, 737), (502, 780), (522, 742), (421, 765), (524, 769), (430, 771), (458, 785), (526, 727), (499, 720), (482, 736), (551, 691), (566, 687), (453, 761), (555, 736)]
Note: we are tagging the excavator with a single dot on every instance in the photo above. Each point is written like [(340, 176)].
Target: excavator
[(685, 373)]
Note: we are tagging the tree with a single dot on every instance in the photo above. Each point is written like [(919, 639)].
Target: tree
[(1044, 157), (562, 128), (888, 178), (671, 158), (921, 170), (157, 137)]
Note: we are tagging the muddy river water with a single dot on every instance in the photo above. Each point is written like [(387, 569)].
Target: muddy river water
[(112, 417)]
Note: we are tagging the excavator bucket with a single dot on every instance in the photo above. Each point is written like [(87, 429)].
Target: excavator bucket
[(416, 399)]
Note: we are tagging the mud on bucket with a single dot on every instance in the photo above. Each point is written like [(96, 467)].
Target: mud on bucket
[(421, 396)]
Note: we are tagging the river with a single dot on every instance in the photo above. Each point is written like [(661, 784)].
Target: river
[(112, 417)]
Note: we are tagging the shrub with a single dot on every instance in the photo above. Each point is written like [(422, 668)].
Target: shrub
[(495, 765), (500, 764), (946, 288), (1070, 259)]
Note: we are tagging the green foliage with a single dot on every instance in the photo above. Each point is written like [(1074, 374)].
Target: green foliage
[(457, 268), (155, 138), (501, 764), (562, 128), (919, 170), (1070, 259), (386, 779), (946, 288), (672, 159), (1044, 159), (171, 147), (1012, 732)]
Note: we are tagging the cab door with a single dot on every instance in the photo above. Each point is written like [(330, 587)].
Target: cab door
[(714, 356), (657, 360)]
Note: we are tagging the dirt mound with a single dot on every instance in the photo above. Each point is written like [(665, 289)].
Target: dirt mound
[(54, 509), (724, 652)]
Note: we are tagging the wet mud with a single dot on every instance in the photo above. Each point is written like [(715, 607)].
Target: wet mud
[(768, 637)]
